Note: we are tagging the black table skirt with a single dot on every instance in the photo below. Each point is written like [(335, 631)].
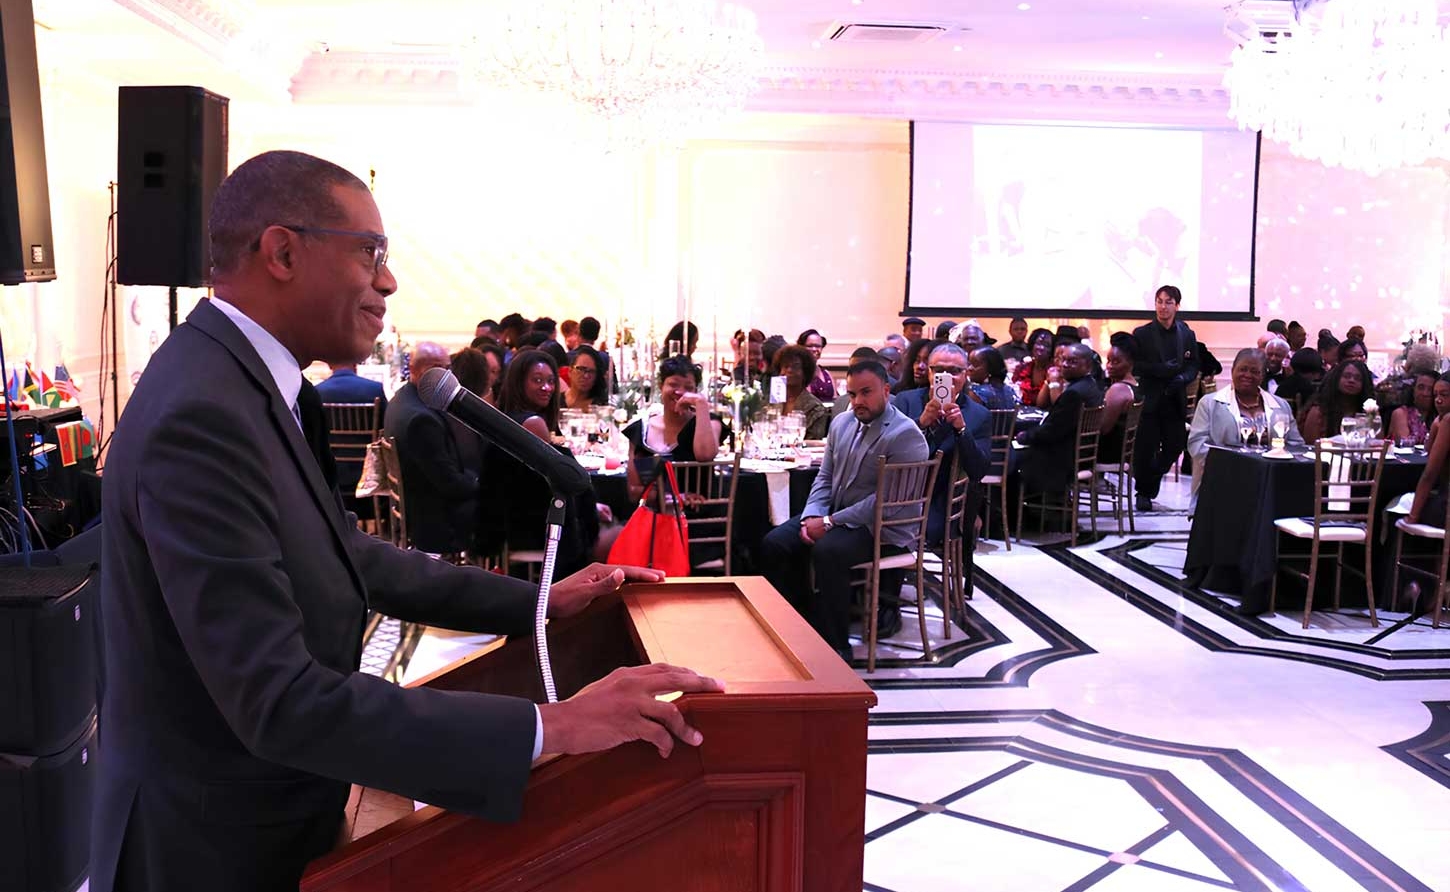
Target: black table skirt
[(1233, 545), (752, 506)]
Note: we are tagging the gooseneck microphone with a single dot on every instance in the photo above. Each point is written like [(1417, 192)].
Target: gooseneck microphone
[(440, 390)]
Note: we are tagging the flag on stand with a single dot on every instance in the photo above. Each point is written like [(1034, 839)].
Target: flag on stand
[(30, 390), (12, 387), (65, 386)]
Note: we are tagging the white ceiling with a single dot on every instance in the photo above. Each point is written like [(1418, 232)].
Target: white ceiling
[(1169, 36)]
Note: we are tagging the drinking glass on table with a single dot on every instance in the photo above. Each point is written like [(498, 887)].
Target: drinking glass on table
[(1280, 427), (1246, 430)]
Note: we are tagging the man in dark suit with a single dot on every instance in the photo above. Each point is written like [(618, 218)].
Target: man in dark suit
[(960, 427), (1048, 465), (345, 385), (1167, 366), (235, 589), (442, 493), (834, 532)]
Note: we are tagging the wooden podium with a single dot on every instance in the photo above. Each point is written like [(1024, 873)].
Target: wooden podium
[(774, 799)]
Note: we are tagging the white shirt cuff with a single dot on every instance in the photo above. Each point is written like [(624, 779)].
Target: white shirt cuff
[(538, 733)]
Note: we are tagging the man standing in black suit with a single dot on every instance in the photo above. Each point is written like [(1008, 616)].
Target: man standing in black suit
[(1167, 366), (442, 493), (235, 590)]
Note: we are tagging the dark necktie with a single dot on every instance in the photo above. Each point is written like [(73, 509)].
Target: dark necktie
[(315, 429)]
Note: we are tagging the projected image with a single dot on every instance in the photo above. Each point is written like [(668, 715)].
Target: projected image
[(1086, 222), (1079, 218)]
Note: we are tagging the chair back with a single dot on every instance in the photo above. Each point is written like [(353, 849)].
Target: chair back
[(351, 427), (1346, 483), (1130, 433), (396, 513), (1191, 405), (961, 507), (903, 500), (709, 490), (1004, 427), (1089, 424)]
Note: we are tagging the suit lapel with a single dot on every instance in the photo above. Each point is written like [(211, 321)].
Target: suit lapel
[(214, 323)]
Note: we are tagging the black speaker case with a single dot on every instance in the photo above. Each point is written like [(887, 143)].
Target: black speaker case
[(27, 250), (48, 667), (45, 817)]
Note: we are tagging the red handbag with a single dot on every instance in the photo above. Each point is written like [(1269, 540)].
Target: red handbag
[(650, 540)]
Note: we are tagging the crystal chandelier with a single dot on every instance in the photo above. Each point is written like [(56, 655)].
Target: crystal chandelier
[(649, 70), (1359, 84)]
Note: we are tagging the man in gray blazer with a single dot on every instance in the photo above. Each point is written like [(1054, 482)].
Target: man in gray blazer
[(834, 533), (235, 589)]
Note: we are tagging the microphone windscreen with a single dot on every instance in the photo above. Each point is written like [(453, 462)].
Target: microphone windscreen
[(437, 388)]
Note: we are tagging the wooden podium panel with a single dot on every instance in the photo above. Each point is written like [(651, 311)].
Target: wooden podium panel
[(774, 799)]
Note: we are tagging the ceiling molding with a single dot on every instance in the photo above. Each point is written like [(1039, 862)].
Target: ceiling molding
[(345, 77), (1184, 100), (211, 25)]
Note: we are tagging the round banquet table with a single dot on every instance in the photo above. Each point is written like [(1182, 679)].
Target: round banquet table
[(1233, 545)]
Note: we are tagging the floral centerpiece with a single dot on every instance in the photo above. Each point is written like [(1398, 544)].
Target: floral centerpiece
[(747, 402), (1371, 414), (632, 400)]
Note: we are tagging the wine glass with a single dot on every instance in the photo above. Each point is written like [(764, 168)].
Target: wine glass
[(1246, 430)]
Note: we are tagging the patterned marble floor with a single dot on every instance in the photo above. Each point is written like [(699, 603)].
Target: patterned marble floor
[(1093, 724)]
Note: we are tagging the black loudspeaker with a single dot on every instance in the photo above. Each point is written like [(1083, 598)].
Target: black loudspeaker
[(171, 157), (26, 253), (45, 818), (48, 673)]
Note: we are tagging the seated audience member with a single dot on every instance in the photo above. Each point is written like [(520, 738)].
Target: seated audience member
[(1121, 394), (493, 354), (969, 336), (862, 354), (1422, 358), (1328, 351), (676, 433), (1296, 335), (1216, 420), (750, 364), (515, 501), (913, 366), (1355, 333), (834, 532), (890, 357), (589, 337), (768, 349), (1410, 423), (488, 328), (944, 330), (1031, 376), (687, 337), (556, 352), (1276, 359), (798, 366), (895, 340), (1340, 395), (470, 367), (482, 341), (511, 330), (960, 426), (913, 328), (1048, 466), (345, 385), (569, 329), (546, 326), (1353, 348), (587, 388), (987, 371), (532, 340), (1278, 327), (442, 491), (822, 385), (1442, 407), (1016, 349), (1305, 372), (1430, 493)]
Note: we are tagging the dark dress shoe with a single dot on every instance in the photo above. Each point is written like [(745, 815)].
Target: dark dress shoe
[(888, 622), (1143, 503), (1251, 608)]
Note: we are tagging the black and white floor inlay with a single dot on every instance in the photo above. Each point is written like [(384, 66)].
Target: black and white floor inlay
[(1094, 724)]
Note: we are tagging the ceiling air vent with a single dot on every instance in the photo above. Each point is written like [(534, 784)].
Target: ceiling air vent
[(1268, 20), (884, 32)]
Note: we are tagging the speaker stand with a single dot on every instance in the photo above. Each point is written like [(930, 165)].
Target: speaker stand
[(171, 306)]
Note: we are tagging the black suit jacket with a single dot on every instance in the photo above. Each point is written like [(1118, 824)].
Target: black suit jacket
[(1167, 363), (1048, 465), (440, 491), (232, 609)]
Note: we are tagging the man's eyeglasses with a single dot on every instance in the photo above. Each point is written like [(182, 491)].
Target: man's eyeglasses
[(946, 370), (377, 249)]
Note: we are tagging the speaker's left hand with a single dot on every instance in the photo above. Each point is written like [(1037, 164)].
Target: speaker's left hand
[(573, 593)]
